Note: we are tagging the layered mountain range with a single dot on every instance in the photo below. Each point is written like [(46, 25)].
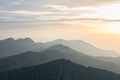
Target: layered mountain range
[(10, 47), (24, 59), (53, 53)]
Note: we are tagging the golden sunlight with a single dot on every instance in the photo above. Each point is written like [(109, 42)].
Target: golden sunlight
[(113, 28)]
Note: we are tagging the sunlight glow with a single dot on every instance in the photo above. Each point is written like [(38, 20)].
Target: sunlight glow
[(110, 11), (113, 28)]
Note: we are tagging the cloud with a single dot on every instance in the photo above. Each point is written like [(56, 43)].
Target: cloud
[(36, 4), (24, 11), (73, 3), (71, 15)]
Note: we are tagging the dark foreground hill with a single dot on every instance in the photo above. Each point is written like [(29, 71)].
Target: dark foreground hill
[(59, 70)]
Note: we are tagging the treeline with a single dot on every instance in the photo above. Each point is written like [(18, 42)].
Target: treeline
[(59, 70)]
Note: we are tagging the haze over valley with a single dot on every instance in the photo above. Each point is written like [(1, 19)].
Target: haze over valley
[(59, 40)]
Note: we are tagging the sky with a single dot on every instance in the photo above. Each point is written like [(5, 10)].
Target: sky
[(93, 21)]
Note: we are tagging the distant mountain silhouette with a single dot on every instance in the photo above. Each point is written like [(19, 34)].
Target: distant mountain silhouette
[(10, 47), (115, 60), (53, 53), (59, 70), (83, 47)]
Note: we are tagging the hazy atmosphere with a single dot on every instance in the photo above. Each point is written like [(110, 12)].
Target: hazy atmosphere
[(94, 21), (59, 39)]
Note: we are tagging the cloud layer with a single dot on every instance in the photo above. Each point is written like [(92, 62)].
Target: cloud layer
[(45, 20)]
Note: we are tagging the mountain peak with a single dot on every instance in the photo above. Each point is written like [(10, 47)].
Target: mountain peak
[(63, 60), (8, 40), (58, 46), (64, 49), (25, 39), (80, 41), (60, 40)]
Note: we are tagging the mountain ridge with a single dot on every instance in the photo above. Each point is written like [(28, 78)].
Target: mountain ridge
[(10, 47), (61, 69), (34, 58)]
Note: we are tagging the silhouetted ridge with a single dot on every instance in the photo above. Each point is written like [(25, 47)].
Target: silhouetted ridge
[(7, 40), (10, 47), (25, 40), (58, 46), (61, 69), (54, 52), (60, 40), (82, 46)]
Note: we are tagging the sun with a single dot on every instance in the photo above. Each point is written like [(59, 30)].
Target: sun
[(113, 28)]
